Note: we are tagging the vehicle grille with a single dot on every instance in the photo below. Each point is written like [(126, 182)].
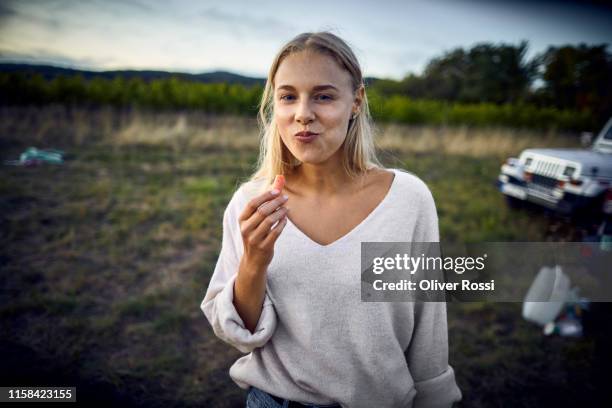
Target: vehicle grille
[(547, 169), (544, 181)]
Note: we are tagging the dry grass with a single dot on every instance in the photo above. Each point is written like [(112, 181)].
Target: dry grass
[(478, 142), (188, 131), (181, 131), (105, 259)]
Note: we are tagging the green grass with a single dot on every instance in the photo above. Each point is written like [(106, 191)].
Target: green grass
[(105, 261)]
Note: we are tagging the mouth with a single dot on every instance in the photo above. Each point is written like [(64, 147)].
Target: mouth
[(306, 137)]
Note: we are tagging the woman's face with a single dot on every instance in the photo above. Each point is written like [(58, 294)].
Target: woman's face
[(313, 94)]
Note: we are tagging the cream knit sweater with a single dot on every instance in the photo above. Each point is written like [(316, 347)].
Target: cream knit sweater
[(316, 341)]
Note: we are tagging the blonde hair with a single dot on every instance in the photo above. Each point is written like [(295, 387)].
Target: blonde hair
[(358, 149)]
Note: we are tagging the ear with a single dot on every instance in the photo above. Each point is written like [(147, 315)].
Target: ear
[(359, 95)]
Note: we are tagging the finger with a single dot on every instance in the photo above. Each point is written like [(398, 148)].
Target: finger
[(275, 232), (254, 204), (269, 207), (261, 213), (264, 227)]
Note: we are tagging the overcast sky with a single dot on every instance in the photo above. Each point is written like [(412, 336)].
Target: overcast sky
[(391, 38)]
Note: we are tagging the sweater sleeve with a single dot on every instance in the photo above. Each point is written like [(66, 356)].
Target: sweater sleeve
[(427, 358), (427, 354), (218, 305), (426, 228)]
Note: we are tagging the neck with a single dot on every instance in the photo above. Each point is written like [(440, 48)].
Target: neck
[(325, 179)]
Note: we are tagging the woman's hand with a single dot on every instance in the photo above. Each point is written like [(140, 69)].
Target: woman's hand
[(257, 225), (258, 235)]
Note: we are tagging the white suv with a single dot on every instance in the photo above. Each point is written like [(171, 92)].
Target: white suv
[(565, 180)]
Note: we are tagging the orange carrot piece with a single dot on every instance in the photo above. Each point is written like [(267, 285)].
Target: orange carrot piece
[(279, 182)]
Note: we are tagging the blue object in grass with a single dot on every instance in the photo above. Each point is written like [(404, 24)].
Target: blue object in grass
[(34, 156)]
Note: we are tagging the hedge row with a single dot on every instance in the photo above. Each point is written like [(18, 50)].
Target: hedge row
[(175, 93)]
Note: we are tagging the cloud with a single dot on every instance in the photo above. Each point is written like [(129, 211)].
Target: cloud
[(119, 8), (6, 11), (19, 13), (44, 57), (242, 25)]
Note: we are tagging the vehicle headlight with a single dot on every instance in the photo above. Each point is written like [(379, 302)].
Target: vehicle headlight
[(569, 171)]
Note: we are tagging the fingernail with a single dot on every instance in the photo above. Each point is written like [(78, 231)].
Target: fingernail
[(275, 191), (286, 197)]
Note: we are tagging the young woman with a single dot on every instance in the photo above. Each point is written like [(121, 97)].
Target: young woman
[(286, 287)]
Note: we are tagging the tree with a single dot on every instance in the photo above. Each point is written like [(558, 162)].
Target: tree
[(485, 73), (578, 77)]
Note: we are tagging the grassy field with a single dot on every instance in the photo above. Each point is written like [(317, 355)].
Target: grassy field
[(106, 258)]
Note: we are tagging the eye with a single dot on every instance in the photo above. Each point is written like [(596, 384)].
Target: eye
[(325, 97), (286, 97)]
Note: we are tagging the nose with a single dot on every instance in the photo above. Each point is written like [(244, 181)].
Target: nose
[(304, 113)]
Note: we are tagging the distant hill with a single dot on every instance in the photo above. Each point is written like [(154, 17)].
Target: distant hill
[(50, 72)]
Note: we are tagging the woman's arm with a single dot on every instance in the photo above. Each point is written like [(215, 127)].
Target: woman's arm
[(249, 293), (427, 354), (219, 305), (261, 223), (427, 357)]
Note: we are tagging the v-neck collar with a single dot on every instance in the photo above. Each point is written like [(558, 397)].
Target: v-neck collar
[(359, 226)]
